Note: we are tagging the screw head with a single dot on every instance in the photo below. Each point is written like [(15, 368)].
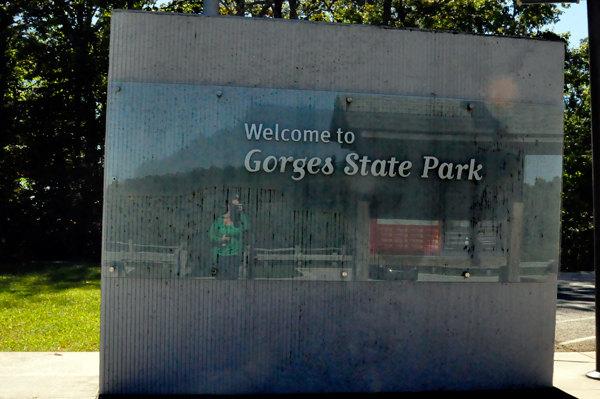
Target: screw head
[(111, 269), (344, 274), (213, 272), (117, 88), (219, 93), (470, 106), (349, 100)]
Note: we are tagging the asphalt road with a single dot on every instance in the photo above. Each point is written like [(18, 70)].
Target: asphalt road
[(575, 317)]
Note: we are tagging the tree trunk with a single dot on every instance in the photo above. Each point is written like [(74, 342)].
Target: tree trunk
[(401, 12), (293, 9), (277, 9), (387, 12), (239, 8)]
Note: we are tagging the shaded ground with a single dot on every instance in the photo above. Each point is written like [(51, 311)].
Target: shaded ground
[(575, 313)]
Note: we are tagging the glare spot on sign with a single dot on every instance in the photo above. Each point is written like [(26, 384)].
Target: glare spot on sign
[(503, 89)]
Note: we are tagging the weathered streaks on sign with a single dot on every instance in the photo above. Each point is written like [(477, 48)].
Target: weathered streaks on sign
[(289, 183)]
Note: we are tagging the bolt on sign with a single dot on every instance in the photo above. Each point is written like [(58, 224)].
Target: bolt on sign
[(273, 213)]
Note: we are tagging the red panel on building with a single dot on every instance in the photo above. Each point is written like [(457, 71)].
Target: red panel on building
[(405, 237)]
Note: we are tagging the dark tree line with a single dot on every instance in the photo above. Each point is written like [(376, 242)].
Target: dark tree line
[(55, 55), (577, 251), (53, 74)]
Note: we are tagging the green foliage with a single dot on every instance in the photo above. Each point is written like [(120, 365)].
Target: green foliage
[(501, 17), (53, 74), (53, 114), (49, 308), (577, 215)]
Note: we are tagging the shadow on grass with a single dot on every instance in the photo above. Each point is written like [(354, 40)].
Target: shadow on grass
[(35, 278)]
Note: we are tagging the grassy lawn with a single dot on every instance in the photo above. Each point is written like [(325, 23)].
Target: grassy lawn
[(49, 307)]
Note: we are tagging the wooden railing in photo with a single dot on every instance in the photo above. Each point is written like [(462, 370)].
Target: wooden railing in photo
[(125, 260), (330, 264), (332, 257)]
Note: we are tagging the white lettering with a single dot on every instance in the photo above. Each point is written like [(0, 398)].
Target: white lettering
[(298, 137), (378, 163), (256, 163), (339, 134), (404, 166), (351, 168), (355, 163), (428, 167), (311, 134), (253, 131), (298, 168), (445, 171), (392, 165), (473, 173), (328, 167), (284, 161), (364, 162), (268, 159), (311, 164), (459, 170), (268, 134), (349, 140)]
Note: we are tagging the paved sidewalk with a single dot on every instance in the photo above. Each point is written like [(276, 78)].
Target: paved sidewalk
[(45, 375), (42, 375), (569, 374)]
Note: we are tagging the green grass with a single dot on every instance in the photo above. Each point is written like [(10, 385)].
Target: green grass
[(49, 307)]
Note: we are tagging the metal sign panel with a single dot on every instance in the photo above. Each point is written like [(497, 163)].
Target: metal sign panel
[(261, 183), (289, 219)]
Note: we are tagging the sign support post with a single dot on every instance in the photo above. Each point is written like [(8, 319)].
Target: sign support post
[(593, 11)]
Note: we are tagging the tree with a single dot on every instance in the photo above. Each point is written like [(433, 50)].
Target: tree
[(53, 75), (11, 75), (53, 141), (577, 215), (500, 17)]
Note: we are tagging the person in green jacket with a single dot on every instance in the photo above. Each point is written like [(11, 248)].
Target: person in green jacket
[(227, 243)]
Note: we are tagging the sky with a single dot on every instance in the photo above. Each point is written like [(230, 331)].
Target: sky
[(574, 20)]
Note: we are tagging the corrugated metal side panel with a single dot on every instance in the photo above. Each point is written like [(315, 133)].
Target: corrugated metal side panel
[(159, 48), (211, 337)]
